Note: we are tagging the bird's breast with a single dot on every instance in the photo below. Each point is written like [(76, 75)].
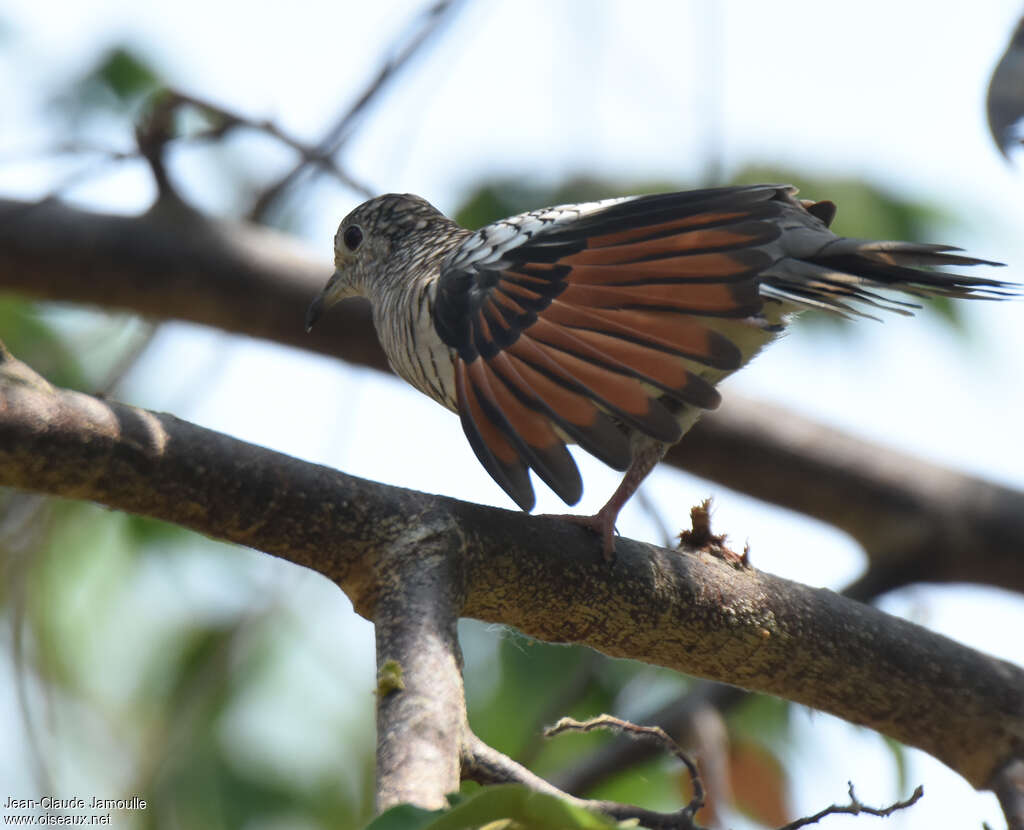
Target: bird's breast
[(415, 351)]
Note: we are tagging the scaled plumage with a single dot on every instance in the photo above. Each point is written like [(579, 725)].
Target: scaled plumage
[(607, 324)]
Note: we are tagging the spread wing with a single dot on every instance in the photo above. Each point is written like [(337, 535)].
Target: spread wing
[(570, 319)]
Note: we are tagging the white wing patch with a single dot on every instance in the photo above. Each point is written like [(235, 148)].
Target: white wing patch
[(485, 248)]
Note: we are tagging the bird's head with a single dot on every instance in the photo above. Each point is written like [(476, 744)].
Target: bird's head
[(375, 246)]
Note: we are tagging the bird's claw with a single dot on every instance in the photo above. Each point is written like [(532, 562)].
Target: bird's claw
[(601, 523)]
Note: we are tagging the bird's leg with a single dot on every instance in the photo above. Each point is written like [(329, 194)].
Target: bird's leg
[(602, 522)]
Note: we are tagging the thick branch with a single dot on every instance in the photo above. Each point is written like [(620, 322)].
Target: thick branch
[(179, 266), (689, 612), (421, 704), (915, 519)]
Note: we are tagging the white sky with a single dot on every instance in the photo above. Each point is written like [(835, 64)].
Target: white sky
[(892, 92)]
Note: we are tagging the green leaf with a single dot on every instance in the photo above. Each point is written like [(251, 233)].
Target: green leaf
[(143, 530), (125, 73), (404, 817), (116, 83), (525, 807), (504, 807), (532, 675), (764, 718)]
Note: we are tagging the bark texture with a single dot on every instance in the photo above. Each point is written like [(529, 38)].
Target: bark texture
[(421, 709)]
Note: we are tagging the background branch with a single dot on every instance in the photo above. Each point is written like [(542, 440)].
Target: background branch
[(915, 519)]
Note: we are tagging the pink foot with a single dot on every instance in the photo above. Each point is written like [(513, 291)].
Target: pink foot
[(601, 523)]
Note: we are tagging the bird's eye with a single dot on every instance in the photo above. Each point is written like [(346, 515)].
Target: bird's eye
[(352, 237)]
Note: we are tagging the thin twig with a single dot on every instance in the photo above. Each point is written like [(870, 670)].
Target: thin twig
[(676, 718), (485, 765), (855, 808), (87, 171), (228, 120), (67, 147), (654, 734), (155, 133), (341, 131)]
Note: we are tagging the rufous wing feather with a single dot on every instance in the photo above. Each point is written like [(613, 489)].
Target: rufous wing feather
[(598, 321)]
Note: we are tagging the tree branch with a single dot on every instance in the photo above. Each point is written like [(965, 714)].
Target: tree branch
[(689, 612), (855, 808), (915, 519), (421, 703), (240, 278)]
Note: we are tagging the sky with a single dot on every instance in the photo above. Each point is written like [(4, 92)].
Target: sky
[(889, 92)]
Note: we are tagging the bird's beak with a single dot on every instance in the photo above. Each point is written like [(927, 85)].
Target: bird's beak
[(316, 308), (337, 288)]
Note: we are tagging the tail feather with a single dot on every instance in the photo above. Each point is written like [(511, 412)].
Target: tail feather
[(913, 253), (846, 271)]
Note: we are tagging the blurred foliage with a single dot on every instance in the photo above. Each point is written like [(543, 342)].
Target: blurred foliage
[(115, 84), (81, 349), (26, 334), (759, 783), (118, 677), (528, 685)]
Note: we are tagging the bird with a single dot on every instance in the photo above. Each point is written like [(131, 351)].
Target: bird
[(609, 324)]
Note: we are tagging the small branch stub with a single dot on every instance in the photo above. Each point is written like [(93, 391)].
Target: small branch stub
[(700, 538)]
